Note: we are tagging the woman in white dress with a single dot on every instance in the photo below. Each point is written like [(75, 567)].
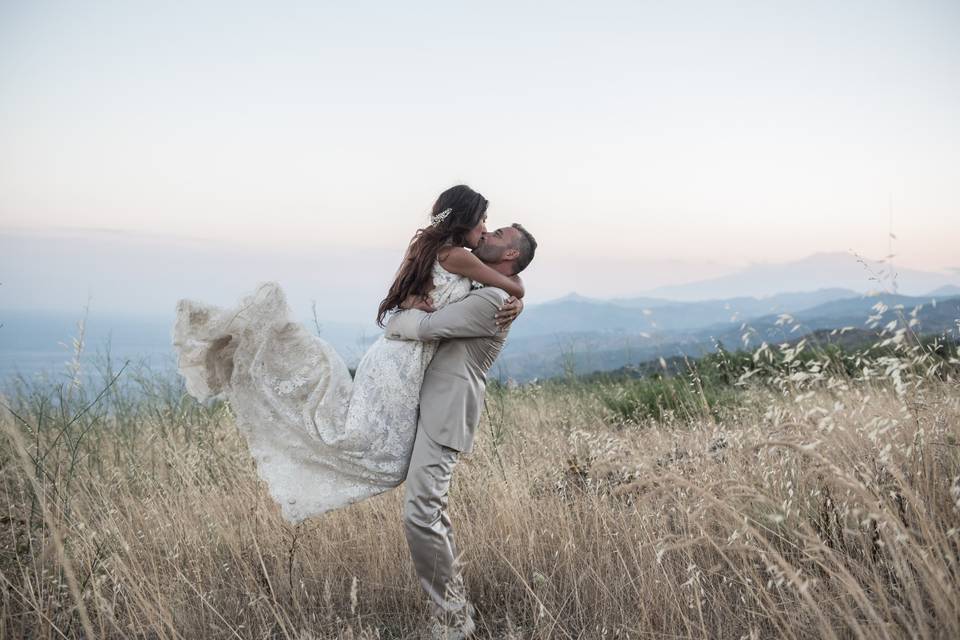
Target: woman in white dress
[(321, 440)]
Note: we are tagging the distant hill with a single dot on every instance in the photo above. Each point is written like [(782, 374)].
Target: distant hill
[(574, 332), (749, 304), (575, 314), (946, 290), (585, 351), (935, 315), (814, 272)]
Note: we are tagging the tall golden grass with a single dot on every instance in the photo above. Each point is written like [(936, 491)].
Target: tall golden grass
[(815, 507)]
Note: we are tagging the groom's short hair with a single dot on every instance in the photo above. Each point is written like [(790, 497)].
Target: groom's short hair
[(527, 246)]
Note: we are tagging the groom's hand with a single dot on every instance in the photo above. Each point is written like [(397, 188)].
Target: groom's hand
[(508, 312)]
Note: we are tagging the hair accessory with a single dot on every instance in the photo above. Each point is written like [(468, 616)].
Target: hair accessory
[(440, 217)]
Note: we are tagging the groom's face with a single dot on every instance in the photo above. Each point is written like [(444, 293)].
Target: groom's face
[(494, 245)]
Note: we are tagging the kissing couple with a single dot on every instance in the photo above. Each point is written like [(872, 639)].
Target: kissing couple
[(323, 440)]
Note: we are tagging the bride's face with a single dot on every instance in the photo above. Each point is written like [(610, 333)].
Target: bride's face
[(473, 238)]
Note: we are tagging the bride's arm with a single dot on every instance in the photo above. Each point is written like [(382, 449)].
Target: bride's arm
[(463, 263)]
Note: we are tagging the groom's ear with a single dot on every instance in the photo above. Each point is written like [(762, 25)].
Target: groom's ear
[(511, 254)]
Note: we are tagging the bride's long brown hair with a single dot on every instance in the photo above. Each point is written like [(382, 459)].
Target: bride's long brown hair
[(467, 208)]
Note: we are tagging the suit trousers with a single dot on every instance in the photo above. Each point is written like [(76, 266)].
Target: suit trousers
[(427, 524)]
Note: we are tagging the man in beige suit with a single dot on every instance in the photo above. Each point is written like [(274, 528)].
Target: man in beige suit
[(451, 400)]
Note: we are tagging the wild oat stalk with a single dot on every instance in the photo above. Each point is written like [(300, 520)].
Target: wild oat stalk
[(795, 492)]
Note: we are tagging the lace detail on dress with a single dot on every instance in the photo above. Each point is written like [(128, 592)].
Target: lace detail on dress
[(320, 440), (386, 394)]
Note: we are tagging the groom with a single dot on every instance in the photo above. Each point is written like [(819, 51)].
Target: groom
[(451, 399)]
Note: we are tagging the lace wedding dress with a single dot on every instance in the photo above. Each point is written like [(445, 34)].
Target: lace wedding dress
[(320, 440)]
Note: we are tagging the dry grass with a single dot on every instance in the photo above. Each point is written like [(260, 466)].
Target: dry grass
[(809, 510)]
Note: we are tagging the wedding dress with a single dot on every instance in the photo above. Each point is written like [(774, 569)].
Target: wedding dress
[(320, 440)]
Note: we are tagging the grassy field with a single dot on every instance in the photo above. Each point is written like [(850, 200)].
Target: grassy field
[(787, 493)]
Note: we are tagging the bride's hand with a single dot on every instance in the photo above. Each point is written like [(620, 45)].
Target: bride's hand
[(508, 312), (418, 302)]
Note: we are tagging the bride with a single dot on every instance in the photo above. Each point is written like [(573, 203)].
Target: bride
[(321, 440)]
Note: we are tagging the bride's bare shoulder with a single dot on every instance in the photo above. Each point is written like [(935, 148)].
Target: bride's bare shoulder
[(452, 256)]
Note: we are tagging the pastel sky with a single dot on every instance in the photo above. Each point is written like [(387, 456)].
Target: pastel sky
[(699, 132)]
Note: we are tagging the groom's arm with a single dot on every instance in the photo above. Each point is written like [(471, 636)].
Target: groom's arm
[(472, 317)]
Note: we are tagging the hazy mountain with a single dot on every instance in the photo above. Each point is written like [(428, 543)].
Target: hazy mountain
[(60, 271), (576, 297), (587, 351), (640, 302), (817, 271), (776, 302), (142, 272), (573, 313), (946, 290), (935, 315)]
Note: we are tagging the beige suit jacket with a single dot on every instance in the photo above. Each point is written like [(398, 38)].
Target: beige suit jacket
[(455, 382)]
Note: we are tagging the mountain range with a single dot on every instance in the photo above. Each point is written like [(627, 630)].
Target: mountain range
[(820, 270), (583, 336), (575, 332), (822, 291)]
